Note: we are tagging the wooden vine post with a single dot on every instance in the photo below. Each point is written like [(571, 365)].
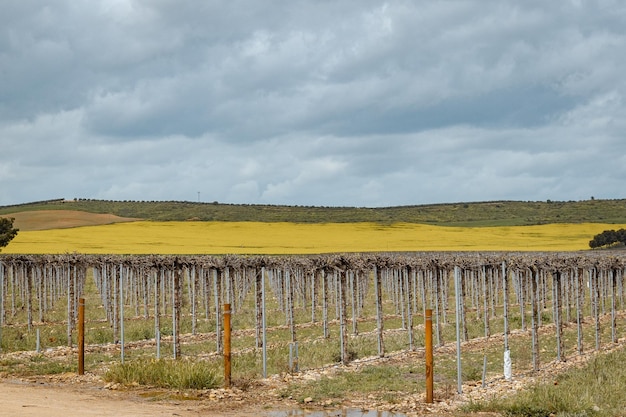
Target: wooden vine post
[(520, 295), (70, 298), (485, 300), (81, 336), (343, 318), (258, 306), (325, 304), (595, 290), (462, 283), (505, 297), (428, 346), (29, 295), (535, 318), (558, 318), (217, 290), (578, 276), (159, 275), (313, 276), (379, 311), (1, 302), (227, 332), (434, 276), (613, 277), (192, 289), (176, 309), (353, 302), (263, 323), (409, 273), (458, 311), (114, 304)]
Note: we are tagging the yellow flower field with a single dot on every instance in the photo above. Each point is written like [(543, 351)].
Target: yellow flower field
[(144, 237)]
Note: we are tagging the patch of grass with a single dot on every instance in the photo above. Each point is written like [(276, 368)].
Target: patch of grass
[(8, 365), (137, 330), (181, 374), (43, 366), (34, 365), (597, 389), (526, 410), (385, 382), (99, 335)]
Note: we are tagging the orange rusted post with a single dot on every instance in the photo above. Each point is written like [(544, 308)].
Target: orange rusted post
[(227, 329), (81, 336), (428, 345)]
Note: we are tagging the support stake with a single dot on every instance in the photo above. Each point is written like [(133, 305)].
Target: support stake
[(264, 333), (227, 329), (81, 336), (428, 345), (457, 292)]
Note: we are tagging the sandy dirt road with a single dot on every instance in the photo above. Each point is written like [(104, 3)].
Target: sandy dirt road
[(37, 400)]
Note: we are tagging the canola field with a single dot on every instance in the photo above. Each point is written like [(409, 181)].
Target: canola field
[(145, 237)]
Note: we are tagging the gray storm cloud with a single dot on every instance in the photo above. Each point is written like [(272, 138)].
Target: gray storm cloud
[(358, 103)]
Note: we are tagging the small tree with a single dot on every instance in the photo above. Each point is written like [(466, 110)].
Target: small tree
[(608, 238), (7, 231)]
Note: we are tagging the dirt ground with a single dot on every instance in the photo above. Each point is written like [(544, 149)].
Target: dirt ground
[(68, 394), (18, 398)]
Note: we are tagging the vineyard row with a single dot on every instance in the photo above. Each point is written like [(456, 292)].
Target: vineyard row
[(339, 288)]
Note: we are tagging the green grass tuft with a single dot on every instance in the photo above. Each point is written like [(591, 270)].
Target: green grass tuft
[(597, 389), (181, 374)]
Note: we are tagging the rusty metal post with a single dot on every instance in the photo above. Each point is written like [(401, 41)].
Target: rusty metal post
[(428, 345), (227, 368), (81, 336)]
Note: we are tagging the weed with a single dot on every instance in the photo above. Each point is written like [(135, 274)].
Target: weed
[(472, 373), (526, 411), (49, 367), (577, 393)]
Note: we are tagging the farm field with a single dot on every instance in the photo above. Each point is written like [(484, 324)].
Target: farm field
[(62, 219), (178, 297), (337, 326), (146, 237), (477, 214)]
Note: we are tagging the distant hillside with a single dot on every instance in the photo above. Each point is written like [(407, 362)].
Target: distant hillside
[(61, 219), (495, 213)]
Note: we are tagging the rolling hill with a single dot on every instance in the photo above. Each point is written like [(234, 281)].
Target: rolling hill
[(477, 214)]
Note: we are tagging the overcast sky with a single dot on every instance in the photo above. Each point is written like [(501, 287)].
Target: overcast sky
[(333, 103)]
